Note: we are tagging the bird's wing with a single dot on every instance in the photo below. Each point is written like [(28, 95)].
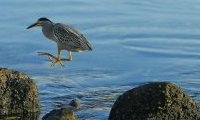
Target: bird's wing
[(67, 34)]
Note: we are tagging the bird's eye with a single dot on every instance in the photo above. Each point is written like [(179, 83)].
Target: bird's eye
[(40, 21)]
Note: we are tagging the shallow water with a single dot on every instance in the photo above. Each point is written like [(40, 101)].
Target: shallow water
[(134, 42)]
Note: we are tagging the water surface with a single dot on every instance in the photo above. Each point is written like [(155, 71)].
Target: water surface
[(134, 42)]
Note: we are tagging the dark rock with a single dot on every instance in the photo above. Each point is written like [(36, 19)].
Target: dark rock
[(25, 116), (155, 101), (60, 114), (75, 104), (18, 93)]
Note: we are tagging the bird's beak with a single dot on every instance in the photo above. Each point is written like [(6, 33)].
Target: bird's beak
[(33, 25)]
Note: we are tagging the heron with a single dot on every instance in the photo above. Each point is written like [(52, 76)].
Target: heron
[(66, 37)]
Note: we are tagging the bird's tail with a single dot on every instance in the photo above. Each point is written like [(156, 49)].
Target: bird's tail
[(90, 48)]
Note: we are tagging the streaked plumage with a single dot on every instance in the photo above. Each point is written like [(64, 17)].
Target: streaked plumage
[(70, 39)]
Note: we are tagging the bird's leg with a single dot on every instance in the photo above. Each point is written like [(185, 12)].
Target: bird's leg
[(50, 56), (58, 59), (70, 56)]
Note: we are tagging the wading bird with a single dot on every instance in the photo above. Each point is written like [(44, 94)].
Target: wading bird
[(66, 37)]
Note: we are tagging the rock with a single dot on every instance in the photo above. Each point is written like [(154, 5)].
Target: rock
[(60, 114), (23, 116), (75, 104), (18, 93), (155, 101)]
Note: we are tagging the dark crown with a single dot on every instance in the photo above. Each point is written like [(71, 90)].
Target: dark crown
[(43, 19)]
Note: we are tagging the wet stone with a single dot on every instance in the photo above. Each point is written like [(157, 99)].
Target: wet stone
[(155, 101), (19, 94), (75, 104), (60, 114)]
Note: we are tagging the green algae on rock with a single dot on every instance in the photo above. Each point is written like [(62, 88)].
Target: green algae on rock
[(155, 101), (18, 93)]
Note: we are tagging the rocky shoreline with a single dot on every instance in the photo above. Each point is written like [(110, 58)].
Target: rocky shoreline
[(152, 101)]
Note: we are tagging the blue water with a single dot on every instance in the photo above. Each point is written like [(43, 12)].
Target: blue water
[(135, 41)]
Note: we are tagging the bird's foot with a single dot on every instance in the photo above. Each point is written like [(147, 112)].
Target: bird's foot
[(57, 61), (54, 60)]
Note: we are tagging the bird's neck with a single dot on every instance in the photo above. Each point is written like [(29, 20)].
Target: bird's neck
[(47, 30)]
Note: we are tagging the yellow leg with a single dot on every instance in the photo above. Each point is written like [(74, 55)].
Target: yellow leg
[(58, 59), (70, 56)]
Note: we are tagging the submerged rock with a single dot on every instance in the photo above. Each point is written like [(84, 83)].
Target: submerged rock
[(18, 93), (73, 105), (155, 101), (60, 114)]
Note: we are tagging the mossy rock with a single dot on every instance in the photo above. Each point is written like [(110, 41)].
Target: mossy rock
[(60, 114), (155, 101), (18, 92)]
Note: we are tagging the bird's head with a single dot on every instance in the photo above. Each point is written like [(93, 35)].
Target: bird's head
[(40, 22)]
